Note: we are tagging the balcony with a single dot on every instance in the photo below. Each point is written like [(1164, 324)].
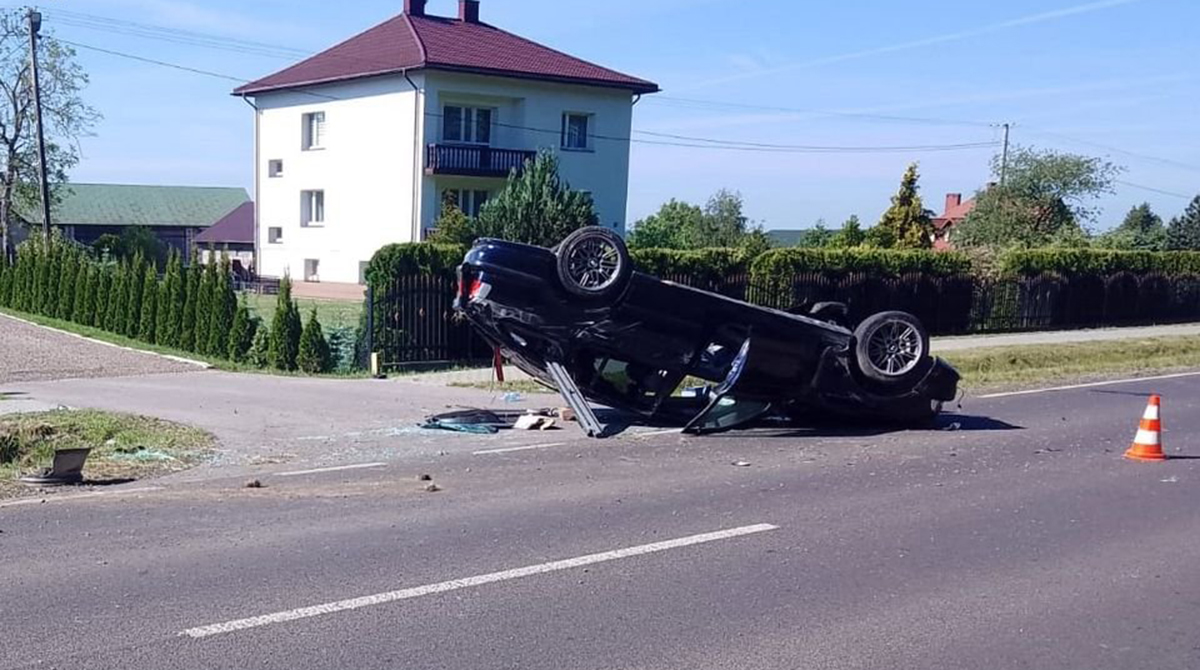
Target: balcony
[(473, 161)]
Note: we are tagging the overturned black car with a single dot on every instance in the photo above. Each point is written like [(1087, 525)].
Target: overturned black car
[(580, 319)]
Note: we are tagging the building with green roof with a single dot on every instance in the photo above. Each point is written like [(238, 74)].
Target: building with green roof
[(175, 214)]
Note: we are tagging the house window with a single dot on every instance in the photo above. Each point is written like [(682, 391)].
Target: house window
[(312, 269), (314, 131), (575, 131), (470, 125), (274, 235), (312, 208), (275, 168), (469, 201)]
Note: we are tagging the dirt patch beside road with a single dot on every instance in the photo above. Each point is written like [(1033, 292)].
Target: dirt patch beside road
[(32, 353)]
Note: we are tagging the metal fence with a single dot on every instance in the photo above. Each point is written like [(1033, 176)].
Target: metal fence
[(413, 320)]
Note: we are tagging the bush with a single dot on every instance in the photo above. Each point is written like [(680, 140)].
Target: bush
[(313, 355), (396, 260), (285, 329), (893, 263), (705, 264), (1075, 262), (343, 344)]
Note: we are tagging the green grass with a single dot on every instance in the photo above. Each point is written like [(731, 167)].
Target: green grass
[(995, 367), (1020, 365), (331, 313), (123, 446), (122, 341)]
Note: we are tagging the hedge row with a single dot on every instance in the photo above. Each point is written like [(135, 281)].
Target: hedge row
[(193, 309), (1097, 262)]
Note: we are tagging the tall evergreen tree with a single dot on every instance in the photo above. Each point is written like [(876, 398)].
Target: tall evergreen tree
[(224, 309), (241, 334), (83, 311), (187, 321), (148, 321), (1183, 233), (66, 285), (312, 356), (285, 329), (115, 316), (907, 219), (6, 278), (104, 286), (163, 304), (205, 304), (51, 268), (171, 307), (133, 297), (536, 206)]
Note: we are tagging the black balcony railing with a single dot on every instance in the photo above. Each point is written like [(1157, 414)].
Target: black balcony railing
[(473, 161)]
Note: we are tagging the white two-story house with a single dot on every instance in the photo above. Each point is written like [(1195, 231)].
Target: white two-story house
[(357, 146)]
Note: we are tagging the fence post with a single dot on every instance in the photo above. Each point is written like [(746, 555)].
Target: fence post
[(370, 319)]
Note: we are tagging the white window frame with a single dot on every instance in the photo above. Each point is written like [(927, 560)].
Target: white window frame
[(275, 168), (314, 274), (468, 124), (272, 238), (468, 197), (313, 131), (567, 134), (312, 208)]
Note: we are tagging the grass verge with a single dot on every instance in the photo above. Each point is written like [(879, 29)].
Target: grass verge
[(1005, 367), (1022, 365), (331, 313), (123, 446)]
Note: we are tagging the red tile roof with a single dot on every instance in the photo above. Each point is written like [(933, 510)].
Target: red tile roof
[(236, 227), (408, 42)]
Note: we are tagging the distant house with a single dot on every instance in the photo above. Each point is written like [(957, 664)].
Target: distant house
[(175, 214), (955, 212), (358, 146), (233, 234)]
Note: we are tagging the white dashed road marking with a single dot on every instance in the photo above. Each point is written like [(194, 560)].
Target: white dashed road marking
[(336, 468), (507, 450), (469, 582)]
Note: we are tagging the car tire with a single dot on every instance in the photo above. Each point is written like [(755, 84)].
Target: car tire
[(891, 348), (594, 263)]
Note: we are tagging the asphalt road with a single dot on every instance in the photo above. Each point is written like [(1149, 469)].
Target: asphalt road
[(1020, 539)]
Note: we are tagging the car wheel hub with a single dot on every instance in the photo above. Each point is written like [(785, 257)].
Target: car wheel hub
[(594, 265), (895, 348)]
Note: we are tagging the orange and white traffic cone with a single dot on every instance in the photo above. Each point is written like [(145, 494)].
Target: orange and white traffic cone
[(1147, 446)]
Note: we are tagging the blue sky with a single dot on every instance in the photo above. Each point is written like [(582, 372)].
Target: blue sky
[(1070, 74)]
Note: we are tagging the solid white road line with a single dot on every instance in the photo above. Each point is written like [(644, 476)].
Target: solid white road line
[(469, 582), (508, 450), (1072, 387), (82, 496), (336, 468)]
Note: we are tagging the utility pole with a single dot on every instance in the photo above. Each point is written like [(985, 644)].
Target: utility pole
[(1004, 155), (35, 25)]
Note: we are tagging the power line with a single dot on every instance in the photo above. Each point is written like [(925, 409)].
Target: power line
[(684, 141), (695, 102), (1152, 189), (1126, 152)]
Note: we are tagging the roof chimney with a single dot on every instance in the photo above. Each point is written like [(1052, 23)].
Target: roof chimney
[(415, 7), (953, 201), (468, 11)]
